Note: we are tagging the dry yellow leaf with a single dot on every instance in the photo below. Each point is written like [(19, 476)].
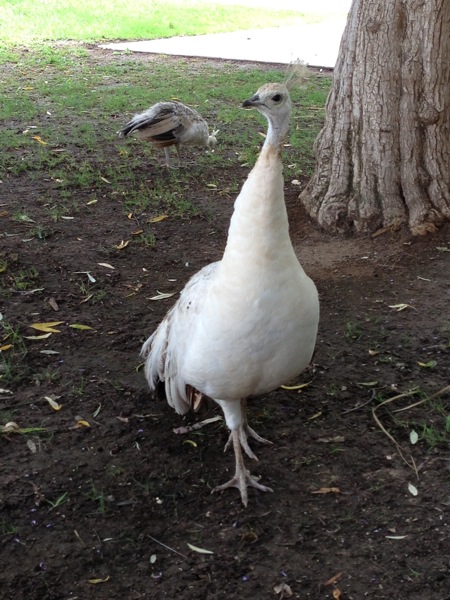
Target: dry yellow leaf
[(191, 442), (39, 139), (122, 245), (82, 327), (94, 581), (158, 219), (4, 348), (295, 387), (47, 327), (44, 336), (53, 403), (10, 427)]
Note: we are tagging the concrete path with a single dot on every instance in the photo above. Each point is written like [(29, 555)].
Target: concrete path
[(317, 45)]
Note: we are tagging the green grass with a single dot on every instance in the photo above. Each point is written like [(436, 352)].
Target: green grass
[(70, 107), (27, 21)]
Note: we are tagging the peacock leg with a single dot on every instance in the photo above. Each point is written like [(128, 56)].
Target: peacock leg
[(242, 478), (245, 432)]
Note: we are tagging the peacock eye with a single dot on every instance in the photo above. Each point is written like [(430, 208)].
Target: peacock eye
[(277, 97)]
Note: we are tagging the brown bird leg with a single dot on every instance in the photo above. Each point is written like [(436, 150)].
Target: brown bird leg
[(242, 478)]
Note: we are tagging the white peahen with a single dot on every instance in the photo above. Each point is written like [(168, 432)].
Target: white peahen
[(170, 124), (248, 323)]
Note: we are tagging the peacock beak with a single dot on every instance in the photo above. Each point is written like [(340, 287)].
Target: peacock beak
[(251, 102)]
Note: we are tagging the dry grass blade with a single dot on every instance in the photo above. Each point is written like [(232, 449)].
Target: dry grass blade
[(432, 397), (411, 462)]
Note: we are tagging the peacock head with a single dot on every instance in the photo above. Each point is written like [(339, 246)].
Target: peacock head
[(272, 100)]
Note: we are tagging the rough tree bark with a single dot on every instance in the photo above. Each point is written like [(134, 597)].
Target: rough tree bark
[(383, 155)]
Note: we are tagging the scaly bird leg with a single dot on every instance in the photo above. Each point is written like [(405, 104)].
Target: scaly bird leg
[(246, 432), (242, 478)]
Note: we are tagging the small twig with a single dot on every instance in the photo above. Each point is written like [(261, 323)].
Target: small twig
[(435, 395), (196, 426), (79, 538), (167, 547), (411, 464), (349, 410)]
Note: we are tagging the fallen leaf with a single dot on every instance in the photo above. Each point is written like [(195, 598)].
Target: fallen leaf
[(327, 490), (37, 337), (412, 489), (53, 304), (68, 218), (47, 327), (295, 387), (333, 579), (429, 365), (94, 201), (4, 348), (158, 219), (105, 180), (39, 139), (10, 427), (337, 594), (284, 590), (367, 383), (82, 327), (395, 537), (97, 411), (53, 403), (315, 415), (199, 550), (413, 437), (107, 265), (122, 245), (48, 351), (399, 307), (191, 442), (95, 581), (32, 446), (161, 296), (137, 232)]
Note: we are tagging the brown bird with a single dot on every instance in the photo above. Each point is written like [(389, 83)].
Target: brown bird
[(248, 323), (170, 124)]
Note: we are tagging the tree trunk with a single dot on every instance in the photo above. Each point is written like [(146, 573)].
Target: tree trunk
[(383, 155)]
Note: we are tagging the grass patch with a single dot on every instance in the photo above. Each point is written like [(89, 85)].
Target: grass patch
[(28, 21)]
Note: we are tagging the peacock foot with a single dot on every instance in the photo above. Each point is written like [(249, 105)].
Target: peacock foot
[(242, 480)]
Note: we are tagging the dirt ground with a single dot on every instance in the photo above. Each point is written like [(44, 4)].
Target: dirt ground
[(107, 511)]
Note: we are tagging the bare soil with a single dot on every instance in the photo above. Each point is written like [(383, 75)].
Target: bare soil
[(341, 523)]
